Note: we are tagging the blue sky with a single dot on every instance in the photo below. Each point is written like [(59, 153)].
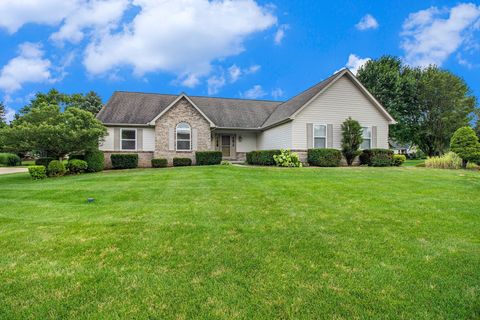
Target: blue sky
[(245, 48)]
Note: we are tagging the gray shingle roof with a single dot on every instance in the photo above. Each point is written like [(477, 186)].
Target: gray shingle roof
[(141, 108), (286, 109)]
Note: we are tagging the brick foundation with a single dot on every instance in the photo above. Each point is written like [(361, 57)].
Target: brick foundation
[(144, 158)]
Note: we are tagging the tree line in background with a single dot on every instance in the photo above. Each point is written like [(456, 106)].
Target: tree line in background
[(429, 104), (53, 124)]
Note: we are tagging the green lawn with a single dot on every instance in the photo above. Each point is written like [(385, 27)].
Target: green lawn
[(413, 163), (242, 242)]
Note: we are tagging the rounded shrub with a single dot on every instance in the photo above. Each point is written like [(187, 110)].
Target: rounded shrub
[(324, 157), (37, 172), (398, 159), (56, 168), (159, 163), (10, 159), (77, 166), (205, 158), (95, 160), (182, 162), (124, 161), (44, 161), (262, 157), (287, 158), (465, 144), (376, 157)]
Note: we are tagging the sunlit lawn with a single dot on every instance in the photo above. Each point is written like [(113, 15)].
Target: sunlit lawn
[(242, 242)]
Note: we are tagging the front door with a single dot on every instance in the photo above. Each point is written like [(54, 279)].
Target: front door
[(225, 145)]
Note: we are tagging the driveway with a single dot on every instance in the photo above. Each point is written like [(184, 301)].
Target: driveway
[(7, 170)]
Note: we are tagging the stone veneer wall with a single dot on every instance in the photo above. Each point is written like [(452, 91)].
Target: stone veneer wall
[(144, 158), (183, 111)]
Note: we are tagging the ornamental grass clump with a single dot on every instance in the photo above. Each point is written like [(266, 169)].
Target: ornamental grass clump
[(287, 158), (448, 161)]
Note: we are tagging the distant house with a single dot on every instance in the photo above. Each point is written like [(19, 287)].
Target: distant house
[(168, 126), (399, 148)]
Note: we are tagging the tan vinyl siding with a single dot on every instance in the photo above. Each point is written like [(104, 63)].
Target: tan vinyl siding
[(248, 143), (107, 144), (338, 102), (279, 137), (148, 139)]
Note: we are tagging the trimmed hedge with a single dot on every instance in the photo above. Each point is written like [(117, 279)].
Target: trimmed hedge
[(206, 158), (56, 168), (124, 161), (182, 162), (398, 159), (76, 157), (37, 172), (45, 161), (159, 163), (324, 157), (76, 166), (377, 157), (262, 157), (95, 160), (10, 159)]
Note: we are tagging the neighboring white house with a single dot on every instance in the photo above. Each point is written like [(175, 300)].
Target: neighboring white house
[(160, 125)]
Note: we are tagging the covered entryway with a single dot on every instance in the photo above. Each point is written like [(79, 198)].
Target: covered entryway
[(226, 145)]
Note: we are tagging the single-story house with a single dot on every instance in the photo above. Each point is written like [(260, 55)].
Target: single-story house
[(168, 126)]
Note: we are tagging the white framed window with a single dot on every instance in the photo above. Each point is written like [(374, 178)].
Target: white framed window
[(184, 137), (367, 138), (320, 136), (128, 139)]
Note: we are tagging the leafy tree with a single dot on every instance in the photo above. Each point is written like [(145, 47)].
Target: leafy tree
[(395, 87), (429, 104), (351, 139), (47, 129), (465, 143), (3, 115), (446, 104), (90, 102)]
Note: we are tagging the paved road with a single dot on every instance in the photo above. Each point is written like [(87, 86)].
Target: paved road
[(7, 170)]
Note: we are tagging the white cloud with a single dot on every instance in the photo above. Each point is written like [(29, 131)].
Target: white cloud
[(215, 83), (355, 62), (99, 15), (277, 93), (15, 14), (430, 36), (280, 34), (9, 114), (191, 35), (367, 22), (234, 72), (254, 93), (28, 66)]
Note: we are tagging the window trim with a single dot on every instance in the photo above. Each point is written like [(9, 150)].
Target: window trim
[(189, 140), (313, 135), (121, 138), (370, 139)]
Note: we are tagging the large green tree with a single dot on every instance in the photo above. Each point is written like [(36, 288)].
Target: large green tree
[(90, 102), (3, 115), (465, 143), (45, 128), (429, 104)]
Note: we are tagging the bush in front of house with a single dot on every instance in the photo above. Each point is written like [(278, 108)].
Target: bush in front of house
[(182, 162), (76, 166), (398, 159), (37, 172), (124, 161), (262, 157), (225, 163), (159, 163), (376, 157), (95, 160), (10, 159), (287, 158), (206, 158), (76, 157), (324, 157), (44, 161), (56, 168)]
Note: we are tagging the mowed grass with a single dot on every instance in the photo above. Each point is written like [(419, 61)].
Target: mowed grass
[(242, 243)]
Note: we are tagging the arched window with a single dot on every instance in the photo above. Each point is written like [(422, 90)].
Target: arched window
[(184, 137)]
